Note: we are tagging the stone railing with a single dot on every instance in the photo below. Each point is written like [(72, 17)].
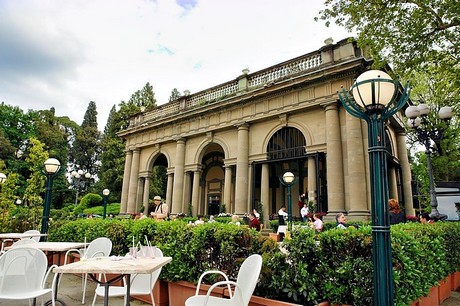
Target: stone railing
[(214, 94)]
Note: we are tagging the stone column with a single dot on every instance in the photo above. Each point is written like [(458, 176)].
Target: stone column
[(140, 194), (178, 190), (145, 198), (406, 174), (196, 192), (125, 188), (133, 182), (169, 189), (392, 184), (228, 188), (357, 180), (242, 164), (265, 193), (187, 190), (311, 196), (249, 205), (334, 161)]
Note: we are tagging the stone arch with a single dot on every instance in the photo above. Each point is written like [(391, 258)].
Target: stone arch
[(153, 159), (303, 129), (200, 152)]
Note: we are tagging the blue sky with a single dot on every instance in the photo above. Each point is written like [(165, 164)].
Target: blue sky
[(65, 53)]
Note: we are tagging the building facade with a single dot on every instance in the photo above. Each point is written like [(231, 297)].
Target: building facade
[(230, 144)]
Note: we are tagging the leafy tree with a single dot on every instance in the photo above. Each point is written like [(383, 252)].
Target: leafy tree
[(36, 182), (175, 95), (421, 39)]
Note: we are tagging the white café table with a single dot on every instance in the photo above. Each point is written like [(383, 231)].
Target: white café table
[(107, 265), (51, 248), (16, 236)]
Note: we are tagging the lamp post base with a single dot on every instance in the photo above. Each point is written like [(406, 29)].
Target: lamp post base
[(436, 216)]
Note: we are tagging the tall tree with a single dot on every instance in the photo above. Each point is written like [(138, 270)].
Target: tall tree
[(175, 94), (86, 147), (112, 156)]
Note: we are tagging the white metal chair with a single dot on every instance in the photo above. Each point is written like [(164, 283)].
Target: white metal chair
[(35, 238), (245, 284), (23, 273), (99, 247), (141, 284), (20, 243)]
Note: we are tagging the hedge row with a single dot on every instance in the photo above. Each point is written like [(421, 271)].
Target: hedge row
[(335, 265)]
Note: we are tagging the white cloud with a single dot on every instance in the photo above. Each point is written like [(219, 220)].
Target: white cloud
[(67, 53)]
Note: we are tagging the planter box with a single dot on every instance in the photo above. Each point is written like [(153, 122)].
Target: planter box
[(444, 289), (260, 301), (160, 294), (432, 299), (180, 291), (455, 281), (274, 236)]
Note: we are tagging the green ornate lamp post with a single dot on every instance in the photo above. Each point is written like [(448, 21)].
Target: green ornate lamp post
[(288, 180), (427, 135), (105, 193), (52, 166), (375, 97)]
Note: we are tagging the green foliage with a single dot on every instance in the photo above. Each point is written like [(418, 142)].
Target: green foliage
[(113, 208), (175, 95), (335, 265), (88, 201)]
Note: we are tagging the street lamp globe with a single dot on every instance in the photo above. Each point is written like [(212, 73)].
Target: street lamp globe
[(2, 178), (80, 172), (412, 112), (106, 192), (373, 87), (288, 177), (88, 175), (52, 165)]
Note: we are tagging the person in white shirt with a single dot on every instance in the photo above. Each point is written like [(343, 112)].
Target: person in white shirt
[(256, 213), (304, 212), (282, 215)]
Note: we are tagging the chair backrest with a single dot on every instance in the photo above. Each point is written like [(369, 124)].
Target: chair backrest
[(248, 275), (99, 247), (36, 238), (22, 270), (146, 282)]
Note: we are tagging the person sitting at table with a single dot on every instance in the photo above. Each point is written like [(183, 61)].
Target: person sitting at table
[(254, 222)]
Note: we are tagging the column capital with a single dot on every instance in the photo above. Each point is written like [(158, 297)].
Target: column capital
[(242, 125), (180, 139), (330, 105)]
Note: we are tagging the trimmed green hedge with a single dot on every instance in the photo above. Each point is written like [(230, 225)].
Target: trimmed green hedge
[(335, 265)]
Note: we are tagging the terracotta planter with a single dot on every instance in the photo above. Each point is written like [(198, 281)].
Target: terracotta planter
[(274, 236), (414, 303), (444, 290), (432, 299), (160, 294), (260, 301), (455, 281), (325, 303), (180, 291)]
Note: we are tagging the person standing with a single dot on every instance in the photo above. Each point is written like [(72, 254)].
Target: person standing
[(161, 211), (282, 215), (304, 212)]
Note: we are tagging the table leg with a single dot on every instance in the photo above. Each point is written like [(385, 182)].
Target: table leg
[(128, 289)]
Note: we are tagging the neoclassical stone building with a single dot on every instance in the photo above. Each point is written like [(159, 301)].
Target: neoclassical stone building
[(230, 144)]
